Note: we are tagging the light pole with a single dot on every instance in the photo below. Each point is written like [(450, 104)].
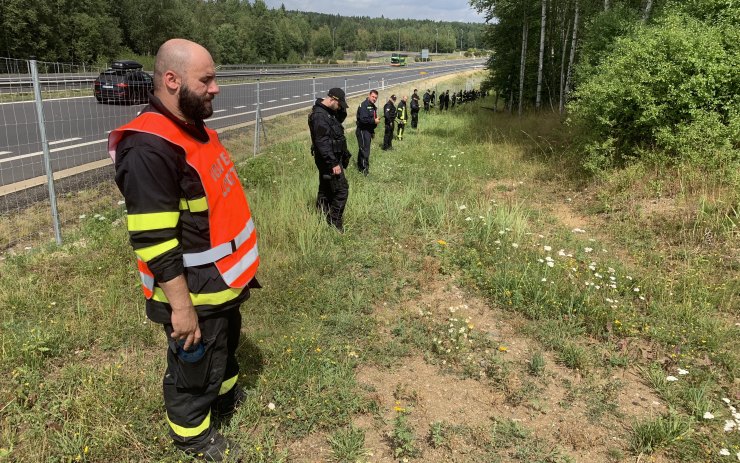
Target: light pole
[(460, 39), (436, 51), (399, 40)]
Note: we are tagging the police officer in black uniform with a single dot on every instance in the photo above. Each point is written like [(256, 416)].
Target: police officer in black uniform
[(426, 98), (367, 120), (329, 150), (389, 113), (414, 106)]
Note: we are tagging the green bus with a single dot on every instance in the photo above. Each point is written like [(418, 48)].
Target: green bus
[(397, 59)]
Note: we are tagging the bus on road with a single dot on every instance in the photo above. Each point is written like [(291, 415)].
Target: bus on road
[(397, 59)]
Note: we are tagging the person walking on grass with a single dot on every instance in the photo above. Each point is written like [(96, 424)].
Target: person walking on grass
[(195, 243), (330, 154), (402, 116), (427, 99), (367, 120), (389, 114)]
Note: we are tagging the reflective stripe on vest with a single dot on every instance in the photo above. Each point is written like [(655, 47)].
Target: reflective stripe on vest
[(210, 256), (233, 237)]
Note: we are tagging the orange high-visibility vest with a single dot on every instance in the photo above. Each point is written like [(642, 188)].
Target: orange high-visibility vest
[(233, 236)]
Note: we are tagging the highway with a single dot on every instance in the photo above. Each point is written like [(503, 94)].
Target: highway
[(77, 128)]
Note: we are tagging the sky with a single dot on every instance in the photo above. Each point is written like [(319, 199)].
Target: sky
[(436, 10)]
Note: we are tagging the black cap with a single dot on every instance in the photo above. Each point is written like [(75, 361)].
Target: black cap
[(338, 94), (393, 97)]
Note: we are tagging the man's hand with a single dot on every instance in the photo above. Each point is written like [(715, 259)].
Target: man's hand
[(184, 319), (336, 170)]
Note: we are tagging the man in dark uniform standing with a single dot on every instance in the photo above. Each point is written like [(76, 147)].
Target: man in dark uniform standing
[(367, 120), (414, 106), (329, 150), (389, 113), (426, 98)]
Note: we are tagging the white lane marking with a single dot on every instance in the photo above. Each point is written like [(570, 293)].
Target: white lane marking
[(239, 107), (296, 96), (306, 94), (5, 152), (230, 115), (64, 141), (285, 99), (219, 111), (39, 153)]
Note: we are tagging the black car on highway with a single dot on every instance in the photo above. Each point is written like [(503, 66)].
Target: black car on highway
[(124, 82)]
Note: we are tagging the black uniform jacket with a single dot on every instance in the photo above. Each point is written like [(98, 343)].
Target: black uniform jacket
[(328, 143), (366, 113), (389, 112)]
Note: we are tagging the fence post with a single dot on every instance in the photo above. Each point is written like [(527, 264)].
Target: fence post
[(345, 86), (369, 85), (45, 149), (257, 122), (313, 83)]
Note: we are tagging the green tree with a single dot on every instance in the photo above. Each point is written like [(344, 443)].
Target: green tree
[(321, 42)]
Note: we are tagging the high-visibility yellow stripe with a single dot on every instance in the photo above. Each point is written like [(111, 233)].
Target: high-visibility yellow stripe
[(153, 221), (194, 205), (228, 385), (218, 298), (150, 252), (190, 432)]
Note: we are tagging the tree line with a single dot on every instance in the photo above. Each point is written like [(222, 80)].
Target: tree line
[(236, 31), (634, 77)]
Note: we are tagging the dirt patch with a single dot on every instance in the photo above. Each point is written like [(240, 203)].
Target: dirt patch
[(563, 411)]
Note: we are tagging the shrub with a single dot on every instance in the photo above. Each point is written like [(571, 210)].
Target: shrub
[(672, 87)]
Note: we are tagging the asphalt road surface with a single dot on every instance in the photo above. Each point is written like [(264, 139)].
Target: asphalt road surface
[(77, 128)]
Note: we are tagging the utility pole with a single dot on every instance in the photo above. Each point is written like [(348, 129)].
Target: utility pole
[(461, 39), (436, 51), (399, 40)]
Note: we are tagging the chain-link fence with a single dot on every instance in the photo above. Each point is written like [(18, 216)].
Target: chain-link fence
[(56, 119)]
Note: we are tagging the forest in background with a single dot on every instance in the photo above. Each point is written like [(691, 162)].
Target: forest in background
[(236, 31), (638, 79)]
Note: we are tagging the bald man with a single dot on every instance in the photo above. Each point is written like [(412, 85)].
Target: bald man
[(195, 243)]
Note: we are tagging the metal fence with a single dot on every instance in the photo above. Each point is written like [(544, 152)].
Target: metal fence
[(54, 167)]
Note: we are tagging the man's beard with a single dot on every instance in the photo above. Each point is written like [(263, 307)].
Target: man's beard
[(194, 107)]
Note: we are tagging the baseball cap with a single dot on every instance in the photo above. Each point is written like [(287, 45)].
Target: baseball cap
[(338, 94)]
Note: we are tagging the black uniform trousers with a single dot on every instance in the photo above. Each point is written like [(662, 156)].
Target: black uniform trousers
[(332, 197), (193, 390), (388, 136), (364, 138), (414, 118)]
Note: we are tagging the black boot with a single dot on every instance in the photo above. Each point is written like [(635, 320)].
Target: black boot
[(217, 448)]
